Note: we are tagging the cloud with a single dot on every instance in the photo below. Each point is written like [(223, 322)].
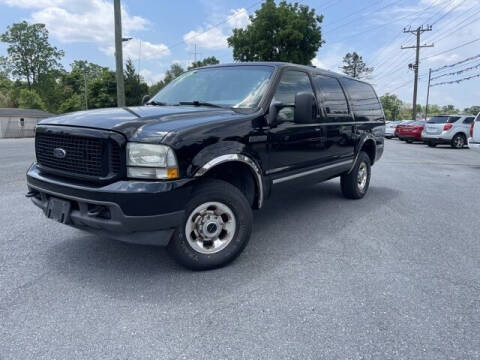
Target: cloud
[(71, 21), (215, 37), (212, 38), (239, 18), (142, 49), (151, 77)]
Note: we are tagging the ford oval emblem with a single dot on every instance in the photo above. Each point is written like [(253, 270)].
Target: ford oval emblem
[(59, 153)]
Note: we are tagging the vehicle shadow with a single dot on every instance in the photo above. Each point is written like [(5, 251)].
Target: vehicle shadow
[(147, 274)]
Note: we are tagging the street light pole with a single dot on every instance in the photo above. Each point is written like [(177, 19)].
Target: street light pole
[(119, 53)]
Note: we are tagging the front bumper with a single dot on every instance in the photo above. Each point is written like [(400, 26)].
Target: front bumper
[(474, 145), (132, 211)]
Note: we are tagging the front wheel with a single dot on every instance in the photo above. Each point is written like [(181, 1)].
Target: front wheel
[(431, 144), (355, 184), (216, 227)]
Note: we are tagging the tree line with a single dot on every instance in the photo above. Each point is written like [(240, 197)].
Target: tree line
[(396, 109)]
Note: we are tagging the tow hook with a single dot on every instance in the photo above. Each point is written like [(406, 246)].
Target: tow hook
[(31, 193)]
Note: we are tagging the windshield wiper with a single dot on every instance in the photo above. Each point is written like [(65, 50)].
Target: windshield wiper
[(199, 103), (156, 103)]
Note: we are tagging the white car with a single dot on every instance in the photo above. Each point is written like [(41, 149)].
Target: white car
[(391, 126), (474, 141), (448, 129)]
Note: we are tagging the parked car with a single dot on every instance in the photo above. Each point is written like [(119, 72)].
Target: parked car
[(448, 129), (390, 128), (411, 131), (474, 140), (187, 168), (400, 125)]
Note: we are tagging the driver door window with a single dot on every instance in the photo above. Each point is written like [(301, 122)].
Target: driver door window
[(290, 83)]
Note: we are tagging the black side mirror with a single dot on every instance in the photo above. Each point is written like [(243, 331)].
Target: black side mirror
[(275, 107), (145, 99), (305, 108)]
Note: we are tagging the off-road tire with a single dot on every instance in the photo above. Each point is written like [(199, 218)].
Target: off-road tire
[(213, 190), (349, 182)]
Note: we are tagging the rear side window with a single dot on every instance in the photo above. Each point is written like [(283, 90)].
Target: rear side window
[(363, 100), (443, 119), (331, 95), (468, 120)]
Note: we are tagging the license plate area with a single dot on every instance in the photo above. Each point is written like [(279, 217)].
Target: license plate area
[(58, 210)]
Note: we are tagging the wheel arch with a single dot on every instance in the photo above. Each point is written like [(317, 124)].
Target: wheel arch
[(367, 144), (231, 159)]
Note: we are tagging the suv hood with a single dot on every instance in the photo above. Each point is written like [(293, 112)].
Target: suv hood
[(144, 123)]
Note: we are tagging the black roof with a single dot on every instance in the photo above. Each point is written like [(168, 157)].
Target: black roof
[(4, 112)]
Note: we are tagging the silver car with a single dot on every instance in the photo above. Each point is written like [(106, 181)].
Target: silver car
[(391, 126), (448, 129)]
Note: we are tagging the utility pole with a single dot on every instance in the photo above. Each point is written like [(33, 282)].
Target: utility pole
[(119, 53), (418, 32), (86, 89), (195, 53), (428, 92)]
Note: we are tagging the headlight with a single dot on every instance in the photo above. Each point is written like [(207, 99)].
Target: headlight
[(148, 161)]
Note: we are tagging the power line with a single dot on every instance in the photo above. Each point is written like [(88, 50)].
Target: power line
[(449, 50), (448, 12), (456, 81), (458, 72), (457, 63)]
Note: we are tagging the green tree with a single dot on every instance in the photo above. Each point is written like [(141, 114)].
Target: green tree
[(287, 32), (211, 60), (172, 73), (474, 110), (29, 52), (354, 66), (29, 99), (392, 106), (74, 102), (103, 91), (449, 109), (135, 87)]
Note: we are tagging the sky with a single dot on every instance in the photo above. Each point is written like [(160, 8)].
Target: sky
[(166, 32)]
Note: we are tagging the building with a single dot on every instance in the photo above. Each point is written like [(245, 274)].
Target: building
[(17, 123)]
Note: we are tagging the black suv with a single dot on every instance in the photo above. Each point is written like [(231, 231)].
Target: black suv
[(187, 168)]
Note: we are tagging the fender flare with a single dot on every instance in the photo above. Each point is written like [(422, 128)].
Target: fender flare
[(362, 142), (225, 158)]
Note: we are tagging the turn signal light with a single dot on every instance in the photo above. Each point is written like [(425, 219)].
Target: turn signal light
[(172, 173)]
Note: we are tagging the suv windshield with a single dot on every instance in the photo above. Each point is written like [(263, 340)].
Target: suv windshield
[(443, 119), (229, 86)]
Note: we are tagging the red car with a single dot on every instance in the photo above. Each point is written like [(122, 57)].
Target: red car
[(410, 132)]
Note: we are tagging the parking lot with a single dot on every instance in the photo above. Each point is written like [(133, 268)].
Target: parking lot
[(395, 275)]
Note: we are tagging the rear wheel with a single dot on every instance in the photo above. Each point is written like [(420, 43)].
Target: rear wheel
[(355, 184), (216, 227), (458, 141), (408, 141)]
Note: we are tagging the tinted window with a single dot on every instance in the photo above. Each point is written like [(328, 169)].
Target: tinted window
[(443, 119), (468, 120), (229, 86), (291, 83), (331, 95), (363, 100)]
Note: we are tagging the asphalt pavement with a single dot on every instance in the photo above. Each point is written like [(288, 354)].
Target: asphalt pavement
[(395, 275)]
